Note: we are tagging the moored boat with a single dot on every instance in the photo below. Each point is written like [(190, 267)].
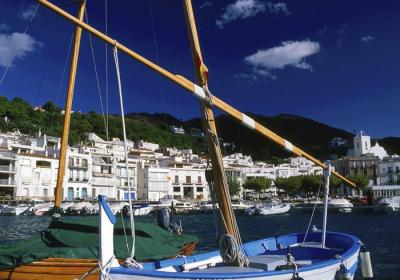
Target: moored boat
[(389, 204), (340, 204)]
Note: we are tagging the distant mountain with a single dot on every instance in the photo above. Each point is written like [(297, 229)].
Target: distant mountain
[(313, 137)]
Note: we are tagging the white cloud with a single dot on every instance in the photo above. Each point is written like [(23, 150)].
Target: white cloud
[(242, 9), (367, 39), (16, 46), (27, 12), (4, 27), (206, 4), (290, 53)]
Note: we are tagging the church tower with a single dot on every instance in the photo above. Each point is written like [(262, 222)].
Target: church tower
[(362, 143)]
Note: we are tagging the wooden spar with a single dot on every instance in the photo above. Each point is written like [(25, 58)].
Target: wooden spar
[(214, 150), (68, 106), (194, 89)]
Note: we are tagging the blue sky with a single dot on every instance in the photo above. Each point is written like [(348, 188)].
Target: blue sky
[(332, 61)]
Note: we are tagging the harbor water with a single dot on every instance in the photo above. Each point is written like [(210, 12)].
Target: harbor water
[(379, 231)]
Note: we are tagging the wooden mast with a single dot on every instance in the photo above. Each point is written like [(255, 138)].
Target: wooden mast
[(68, 106), (214, 150), (195, 90)]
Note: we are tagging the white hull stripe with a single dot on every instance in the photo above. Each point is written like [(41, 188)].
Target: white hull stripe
[(288, 146), (249, 122), (199, 92)]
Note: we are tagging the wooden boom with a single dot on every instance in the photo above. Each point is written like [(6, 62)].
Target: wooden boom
[(196, 90)]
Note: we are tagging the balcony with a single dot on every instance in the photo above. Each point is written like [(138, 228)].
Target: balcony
[(6, 182), (72, 166), (7, 168)]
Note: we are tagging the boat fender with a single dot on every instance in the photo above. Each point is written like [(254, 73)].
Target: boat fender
[(366, 264), (343, 273)]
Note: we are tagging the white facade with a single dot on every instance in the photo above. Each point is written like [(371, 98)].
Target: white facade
[(153, 183), (305, 166), (390, 170), (362, 146), (147, 145), (7, 173), (362, 143), (286, 171), (36, 176), (189, 183)]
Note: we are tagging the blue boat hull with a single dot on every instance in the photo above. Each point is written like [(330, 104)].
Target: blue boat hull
[(265, 257)]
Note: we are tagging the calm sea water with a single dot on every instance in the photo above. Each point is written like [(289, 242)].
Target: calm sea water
[(380, 232)]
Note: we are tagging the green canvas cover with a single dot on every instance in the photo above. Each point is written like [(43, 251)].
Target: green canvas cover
[(77, 237)]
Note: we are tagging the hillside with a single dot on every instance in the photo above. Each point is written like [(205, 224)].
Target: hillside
[(312, 136)]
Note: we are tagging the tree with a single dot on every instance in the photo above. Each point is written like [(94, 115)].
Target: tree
[(290, 185), (361, 181), (234, 185), (257, 183), (311, 183)]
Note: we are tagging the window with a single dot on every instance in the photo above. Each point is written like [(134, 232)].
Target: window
[(43, 164), (176, 179), (177, 189), (71, 161), (199, 189), (199, 179), (188, 180)]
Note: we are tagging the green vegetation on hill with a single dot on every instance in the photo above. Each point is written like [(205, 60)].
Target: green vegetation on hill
[(311, 136), (20, 115)]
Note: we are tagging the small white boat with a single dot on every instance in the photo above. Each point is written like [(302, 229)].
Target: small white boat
[(41, 209), (235, 206), (81, 208), (274, 209), (117, 207), (142, 209), (15, 210), (388, 204), (240, 206), (65, 206), (179, 206), (340, 204)]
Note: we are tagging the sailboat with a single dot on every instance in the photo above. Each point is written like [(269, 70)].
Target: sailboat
[(68, 249), (311, 255)]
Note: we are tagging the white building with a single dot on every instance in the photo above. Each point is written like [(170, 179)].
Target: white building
[(362, 143), (305, 166), (78, 175), (390, 170), (153, 183), (122, 179), (286, 170), (7, 173), (36, 176), (147, 145), (362, 146)]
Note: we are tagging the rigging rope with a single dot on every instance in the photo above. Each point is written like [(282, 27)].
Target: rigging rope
[(106, 62), (130, 262), (15, 49), (312, 216), (97, 76)]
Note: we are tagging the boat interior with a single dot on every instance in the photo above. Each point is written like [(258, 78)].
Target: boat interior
[(267, 256)]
